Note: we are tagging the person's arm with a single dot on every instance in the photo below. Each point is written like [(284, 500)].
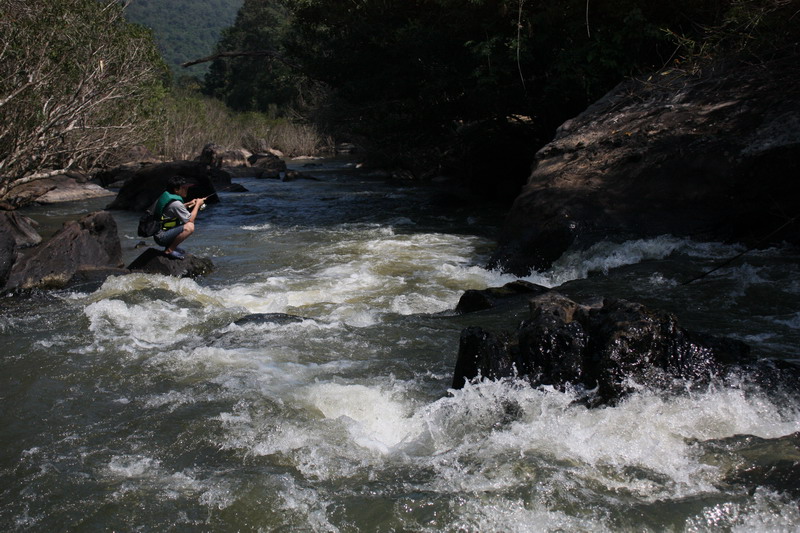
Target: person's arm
[(195, 206)]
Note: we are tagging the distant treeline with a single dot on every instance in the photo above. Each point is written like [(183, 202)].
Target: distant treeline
[(184, 29)]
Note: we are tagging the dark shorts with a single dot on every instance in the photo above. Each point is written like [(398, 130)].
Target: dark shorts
[(165, 237)]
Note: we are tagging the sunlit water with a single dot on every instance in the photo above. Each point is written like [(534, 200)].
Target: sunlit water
[(142, 406)]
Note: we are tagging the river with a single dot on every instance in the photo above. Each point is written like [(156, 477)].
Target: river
[(141, 405)]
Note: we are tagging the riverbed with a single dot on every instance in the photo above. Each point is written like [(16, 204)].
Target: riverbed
[(147, 404)]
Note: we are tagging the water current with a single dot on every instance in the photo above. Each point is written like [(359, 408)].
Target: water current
[(141, 405)]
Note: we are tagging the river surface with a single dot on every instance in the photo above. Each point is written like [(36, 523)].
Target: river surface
[(141, 405)]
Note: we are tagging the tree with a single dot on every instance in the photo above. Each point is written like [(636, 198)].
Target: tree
[(250, 71), (76, 83)]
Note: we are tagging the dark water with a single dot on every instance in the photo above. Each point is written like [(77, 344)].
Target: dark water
[(142, 406)]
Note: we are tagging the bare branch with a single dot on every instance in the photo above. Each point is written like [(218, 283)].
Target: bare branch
[(244, 53)]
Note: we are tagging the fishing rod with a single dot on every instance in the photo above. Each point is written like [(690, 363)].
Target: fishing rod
[(737, 256), (215, 193)]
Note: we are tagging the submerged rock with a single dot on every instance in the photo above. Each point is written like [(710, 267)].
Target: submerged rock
[(773, 463), (153, 261), (612, 348), (269, 318)]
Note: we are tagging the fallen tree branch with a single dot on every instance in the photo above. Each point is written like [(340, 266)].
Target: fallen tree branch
[(243, 53)]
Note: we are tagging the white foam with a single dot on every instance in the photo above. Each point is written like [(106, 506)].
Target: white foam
[(374, 419), (605, 256)]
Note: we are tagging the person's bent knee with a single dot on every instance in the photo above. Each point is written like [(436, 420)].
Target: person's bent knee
[(188, 227)]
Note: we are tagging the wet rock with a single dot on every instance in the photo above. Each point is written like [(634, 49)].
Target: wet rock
[(153, 261), (713, 156), (280, 319), (759, 462), (483, 353), (21, 229), (91, 241), (477, 300), (90, 278), (144, 183), (612, 348)]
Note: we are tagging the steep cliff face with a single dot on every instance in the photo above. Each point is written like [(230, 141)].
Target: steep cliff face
[(715, 156)]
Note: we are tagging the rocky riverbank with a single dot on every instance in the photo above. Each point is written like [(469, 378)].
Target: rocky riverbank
[(711, 155)]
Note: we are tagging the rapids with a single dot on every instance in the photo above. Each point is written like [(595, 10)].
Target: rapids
[(141, 405)]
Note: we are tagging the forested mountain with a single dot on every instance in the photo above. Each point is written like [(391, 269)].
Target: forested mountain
[(184, 29)]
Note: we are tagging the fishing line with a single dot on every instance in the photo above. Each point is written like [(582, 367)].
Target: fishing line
[(737, 256)]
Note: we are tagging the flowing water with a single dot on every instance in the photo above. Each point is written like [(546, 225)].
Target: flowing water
[(141, 405)]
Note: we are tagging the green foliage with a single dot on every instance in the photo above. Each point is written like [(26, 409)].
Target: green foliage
[(259, 83), (184, 29)]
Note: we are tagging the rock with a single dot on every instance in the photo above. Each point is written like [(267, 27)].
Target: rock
[(20, 228), (612, 348), (772, 463), (346, 148), (144, 183), (482, 353), (218, 156), (280, 319), (153, 261), (8, 256), (90, 278), (68, 189), (713, 156), (267, 162), (91, 241), (476, 300)]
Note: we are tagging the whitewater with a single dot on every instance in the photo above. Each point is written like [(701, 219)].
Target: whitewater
[(148, 404)]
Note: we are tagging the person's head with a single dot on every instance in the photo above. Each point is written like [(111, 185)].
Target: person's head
[(178, 185)]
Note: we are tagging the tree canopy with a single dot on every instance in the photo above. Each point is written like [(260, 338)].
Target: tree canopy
[(410, 73)]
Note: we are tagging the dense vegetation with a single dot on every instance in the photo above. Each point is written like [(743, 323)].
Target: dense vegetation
[(460, 84), (184, 29), (77, 83)]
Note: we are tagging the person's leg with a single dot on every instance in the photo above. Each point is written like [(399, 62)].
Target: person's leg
[(188, 229)]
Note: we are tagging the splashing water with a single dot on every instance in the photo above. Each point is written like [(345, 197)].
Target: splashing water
[(145, 405)]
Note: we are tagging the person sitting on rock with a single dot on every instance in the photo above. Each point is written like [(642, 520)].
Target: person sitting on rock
[(177, 223)]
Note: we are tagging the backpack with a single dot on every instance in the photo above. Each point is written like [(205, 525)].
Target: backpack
[(149, 225)]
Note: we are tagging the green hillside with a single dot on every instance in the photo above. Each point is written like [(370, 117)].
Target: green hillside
[(184, 29)]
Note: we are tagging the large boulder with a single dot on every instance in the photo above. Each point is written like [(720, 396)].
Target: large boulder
[(217, 156), (144, 183), (712, 155), (20, 228), (69, 189), (153, 261), (89, 242), (611, 348)]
